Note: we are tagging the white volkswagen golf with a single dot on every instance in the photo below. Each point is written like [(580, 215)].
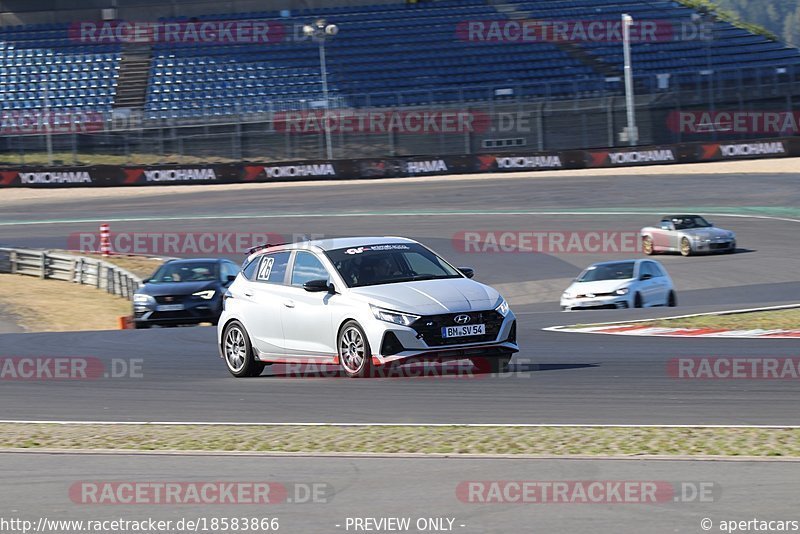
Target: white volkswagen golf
[(360, 303)]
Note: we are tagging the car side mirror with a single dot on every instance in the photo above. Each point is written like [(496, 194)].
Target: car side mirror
[(145, 280), (646, 277), (231, 277), (317, 286), (711, 224), (469, 272)]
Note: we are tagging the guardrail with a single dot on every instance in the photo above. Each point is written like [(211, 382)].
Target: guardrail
[(70, 268)]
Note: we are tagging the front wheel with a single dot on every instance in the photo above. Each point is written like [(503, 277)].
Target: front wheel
[(355, 356), (637, 300), (238, 352)]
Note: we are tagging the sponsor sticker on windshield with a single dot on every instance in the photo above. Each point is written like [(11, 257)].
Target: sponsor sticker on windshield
[(360, 250)]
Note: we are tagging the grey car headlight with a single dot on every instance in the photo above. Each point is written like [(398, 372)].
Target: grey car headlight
[(503, 308), (622, 291), (390, 316), (205, 295), (141, 298)]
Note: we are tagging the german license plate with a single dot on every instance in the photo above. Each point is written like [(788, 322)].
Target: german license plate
[(463, 331), (169, 307)]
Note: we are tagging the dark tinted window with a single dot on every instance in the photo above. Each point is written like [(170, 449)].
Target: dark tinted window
[(388, 264), (186, 271), (249, 270), (228, 269), (609, 271), (307, 267), (272, 268)]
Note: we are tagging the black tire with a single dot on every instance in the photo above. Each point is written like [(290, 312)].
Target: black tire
[(637, 300), (238, 352), (732, 250), (647, 246), (672, 300), (686, 247), (140, 326), (355, 355), (492, 364)]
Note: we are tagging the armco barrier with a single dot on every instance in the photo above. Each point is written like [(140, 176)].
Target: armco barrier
[(70, 268), (395, 167)]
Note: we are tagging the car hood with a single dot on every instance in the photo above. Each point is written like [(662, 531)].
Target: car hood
[(598, 286), (431, 297), (706, 233), (175, 288)]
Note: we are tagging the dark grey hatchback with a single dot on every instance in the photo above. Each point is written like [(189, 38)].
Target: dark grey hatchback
[(184, 292)]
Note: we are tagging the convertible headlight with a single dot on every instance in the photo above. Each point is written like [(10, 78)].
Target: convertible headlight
[(503, 308), (205, 295), (621, 291), (404, 319), (141, 298)]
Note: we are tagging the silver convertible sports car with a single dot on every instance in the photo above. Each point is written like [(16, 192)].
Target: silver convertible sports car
[(687, 234)]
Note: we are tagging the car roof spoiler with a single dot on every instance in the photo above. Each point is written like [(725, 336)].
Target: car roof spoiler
[(265, 245)]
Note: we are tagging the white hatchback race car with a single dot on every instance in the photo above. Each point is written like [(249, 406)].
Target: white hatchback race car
[(620, 284), (360, 303)]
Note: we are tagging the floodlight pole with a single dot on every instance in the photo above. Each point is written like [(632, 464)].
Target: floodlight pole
[(633, 134), (320, 30)]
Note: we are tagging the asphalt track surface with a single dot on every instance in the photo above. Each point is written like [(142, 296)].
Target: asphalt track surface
[(412, 488), (557, 378)]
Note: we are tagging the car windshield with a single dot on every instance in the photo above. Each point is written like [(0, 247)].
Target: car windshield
[(608, 271), (687, 223), (199, 271), (389, 264)]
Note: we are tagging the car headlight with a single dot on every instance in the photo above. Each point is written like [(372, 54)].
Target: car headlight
[(141, 298), (404, 319), (205, 295), (503, 308), (621, 291)]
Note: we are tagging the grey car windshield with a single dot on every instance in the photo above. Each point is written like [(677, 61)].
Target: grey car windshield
[(198, 271), (687, 223), (388, 264), (609, 271)]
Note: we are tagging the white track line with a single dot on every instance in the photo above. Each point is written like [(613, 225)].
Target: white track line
[(474, 425), (724, 312)]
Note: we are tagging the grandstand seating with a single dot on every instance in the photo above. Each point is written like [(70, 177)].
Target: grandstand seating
[(40, 67), (386, 54)]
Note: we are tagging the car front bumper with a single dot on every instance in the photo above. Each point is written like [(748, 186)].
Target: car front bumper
[(607, 302), (392, 343), (194, 312)]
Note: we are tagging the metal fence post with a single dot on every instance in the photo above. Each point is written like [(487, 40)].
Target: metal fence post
[(43, 265), (12, 258)]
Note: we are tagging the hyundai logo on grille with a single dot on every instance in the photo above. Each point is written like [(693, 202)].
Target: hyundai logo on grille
[(462, 319)]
